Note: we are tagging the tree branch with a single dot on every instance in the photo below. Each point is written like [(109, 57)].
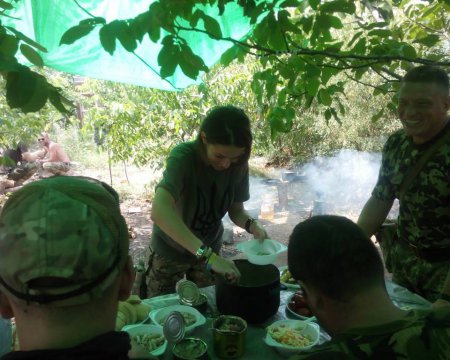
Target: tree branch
[(369, 85), (309, 52)]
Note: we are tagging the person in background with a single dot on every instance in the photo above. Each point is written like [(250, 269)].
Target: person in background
[(203, 180), (64, 265), (419, 258), (56, 161), (342, 277), (16, 168)]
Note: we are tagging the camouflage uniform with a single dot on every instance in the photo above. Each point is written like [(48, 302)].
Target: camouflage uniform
[(202, 198), (424, 218), (23, 172), (164, 273), (56, 167), (421, 334)]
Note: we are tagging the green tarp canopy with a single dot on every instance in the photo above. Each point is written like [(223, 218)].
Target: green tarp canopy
[(45, 21)]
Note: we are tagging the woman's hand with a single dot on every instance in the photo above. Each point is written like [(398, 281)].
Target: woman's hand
[(258, 231), (225, 267)]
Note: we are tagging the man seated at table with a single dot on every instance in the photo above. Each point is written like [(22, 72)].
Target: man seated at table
[(64, 265), (341, 273)]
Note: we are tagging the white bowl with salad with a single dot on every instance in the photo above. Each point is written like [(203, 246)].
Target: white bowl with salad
[(150, 337), (292, 336), (261, 253)]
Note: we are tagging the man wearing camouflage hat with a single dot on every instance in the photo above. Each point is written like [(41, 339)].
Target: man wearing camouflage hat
[(64, 265)]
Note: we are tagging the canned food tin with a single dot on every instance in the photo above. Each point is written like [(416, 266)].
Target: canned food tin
[(173, 328), (188, 292), (190, 349), (201, 305), (229, 336)]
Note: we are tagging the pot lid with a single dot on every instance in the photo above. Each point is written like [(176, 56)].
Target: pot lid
[(188, 292), (173, 328)]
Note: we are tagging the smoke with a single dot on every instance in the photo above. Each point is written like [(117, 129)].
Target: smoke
[(340, 185), (344, 182)]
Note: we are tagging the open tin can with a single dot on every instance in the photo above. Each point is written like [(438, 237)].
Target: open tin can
[(190, 295), (183, 348), (229, 334)]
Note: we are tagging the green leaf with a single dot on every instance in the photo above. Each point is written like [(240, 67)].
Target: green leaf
[(6, 5), (75, 33), (312, 71), (335, 22), (126, 38), (312, 86), (168, 59), (324, 97), (108, 36), (360, 47), (26, 39), (327, 73), (280, 119), (377, 116), (383, 33), (409, 51), (274, 34), (290, 3), (354, 38), (31, 55), (380, 24), (9, 65), (195, 17), (314, 3), (8, 45), (307, 24), (212, 27), (140, 25), (429, 40), (338, 6), (19, 87), (234, 52), (190, 63), (93, 21), (26, 90), (55, 99)]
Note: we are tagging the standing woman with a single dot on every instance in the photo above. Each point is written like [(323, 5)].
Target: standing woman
[(203, 180)]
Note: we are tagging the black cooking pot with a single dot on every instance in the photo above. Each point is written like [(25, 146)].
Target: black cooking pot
[(257, 295)]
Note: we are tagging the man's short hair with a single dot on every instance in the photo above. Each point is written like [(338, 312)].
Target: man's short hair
[(63, 241), (332, 254), (428, 74)]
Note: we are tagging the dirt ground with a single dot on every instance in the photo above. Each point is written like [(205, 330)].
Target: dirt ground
[(299, 204)]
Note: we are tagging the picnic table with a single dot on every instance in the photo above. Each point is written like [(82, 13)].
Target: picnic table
[(256, 348)]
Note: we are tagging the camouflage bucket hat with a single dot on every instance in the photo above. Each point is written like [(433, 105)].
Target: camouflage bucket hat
[(63, 241)]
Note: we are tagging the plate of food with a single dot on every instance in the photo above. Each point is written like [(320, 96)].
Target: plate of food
[(286, 278), (298, 308), (150, 337), (192, 317), (292, 336)]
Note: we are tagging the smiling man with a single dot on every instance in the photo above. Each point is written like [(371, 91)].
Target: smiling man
[(419, 256)]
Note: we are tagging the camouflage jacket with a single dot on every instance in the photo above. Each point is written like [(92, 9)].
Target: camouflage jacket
[(421, 334), (424, 217)]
